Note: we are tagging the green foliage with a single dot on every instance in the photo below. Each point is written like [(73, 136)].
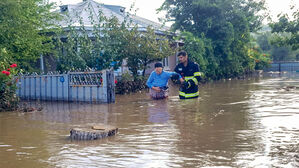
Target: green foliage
[(142, 48), (79, 51), (263, 41), (259, 60), (277, 52), (109, 42), (128, 84), (224, 28), (23, 30), (68, 55), (201, 52), (287, 30), (8, 98), (24, 36), (281, 54), (195, 49)]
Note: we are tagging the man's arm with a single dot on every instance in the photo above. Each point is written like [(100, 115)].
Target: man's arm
[(195, 79), (174, 74), (150, 81), (181, 79), (175, 77), (197, 74)]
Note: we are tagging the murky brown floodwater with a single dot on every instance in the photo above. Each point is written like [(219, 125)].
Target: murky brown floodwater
[(234, 123)]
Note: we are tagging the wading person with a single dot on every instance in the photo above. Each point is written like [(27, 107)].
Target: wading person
[(191, 75), (158, 80)]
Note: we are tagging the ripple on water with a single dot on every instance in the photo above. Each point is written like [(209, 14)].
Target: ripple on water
[(5, 145), (28, 147), (278, 114)]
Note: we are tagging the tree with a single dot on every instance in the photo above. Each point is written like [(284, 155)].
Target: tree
[(264, 41), (226, 24), (200, 51), (277, 52), (108, 44), (287, 30), (138, 48), (82, 48), (280, 53), (24, 27)]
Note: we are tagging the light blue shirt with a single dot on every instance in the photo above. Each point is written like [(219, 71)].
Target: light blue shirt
[(160, 80)]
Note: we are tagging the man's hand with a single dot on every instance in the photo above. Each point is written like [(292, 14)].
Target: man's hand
[(176, 79), (157, 89), (188, 84), (175, 76), (182, 80)]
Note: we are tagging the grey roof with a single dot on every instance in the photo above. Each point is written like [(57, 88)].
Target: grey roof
[(88, 8)]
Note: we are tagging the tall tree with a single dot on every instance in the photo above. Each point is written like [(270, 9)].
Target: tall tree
[(287, 30), (277, 52), (227, 23), (24, 27)]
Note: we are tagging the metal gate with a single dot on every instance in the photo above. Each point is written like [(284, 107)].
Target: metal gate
[(74, 86)]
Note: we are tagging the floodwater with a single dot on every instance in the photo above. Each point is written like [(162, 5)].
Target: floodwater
[(252, 122)]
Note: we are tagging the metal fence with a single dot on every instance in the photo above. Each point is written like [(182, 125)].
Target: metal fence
[(283, 66), (73, 86)]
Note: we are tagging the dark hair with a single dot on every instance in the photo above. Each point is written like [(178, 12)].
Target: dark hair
[(158, 64), (182, 53)]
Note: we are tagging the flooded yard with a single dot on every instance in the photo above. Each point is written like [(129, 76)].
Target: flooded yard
[(253, 122)]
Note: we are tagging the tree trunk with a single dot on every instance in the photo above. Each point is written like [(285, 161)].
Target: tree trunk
[(144, 68), (92, 133)]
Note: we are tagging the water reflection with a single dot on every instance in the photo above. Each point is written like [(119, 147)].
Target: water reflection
[(158, 111), (235, 123), (70, 112)]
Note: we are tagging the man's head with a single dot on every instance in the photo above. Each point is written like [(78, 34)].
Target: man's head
[(158, 67), (182, 56)]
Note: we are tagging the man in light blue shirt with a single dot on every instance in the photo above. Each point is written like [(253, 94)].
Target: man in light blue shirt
[(157, 82)]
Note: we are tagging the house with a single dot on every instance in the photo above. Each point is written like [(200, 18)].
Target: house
[(88, 8)]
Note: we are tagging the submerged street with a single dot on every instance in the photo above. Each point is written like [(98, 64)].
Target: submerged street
[(251, 122)]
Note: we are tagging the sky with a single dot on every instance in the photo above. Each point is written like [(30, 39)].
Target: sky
[(147, 8)]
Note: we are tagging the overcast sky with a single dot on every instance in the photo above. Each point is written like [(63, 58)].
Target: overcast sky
[(147, 8)]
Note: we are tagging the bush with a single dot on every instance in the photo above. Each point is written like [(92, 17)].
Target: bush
[(8, 99), (127, 84)]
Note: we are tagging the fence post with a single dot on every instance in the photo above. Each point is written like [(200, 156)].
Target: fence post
[(110, 86), (279, 67)]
